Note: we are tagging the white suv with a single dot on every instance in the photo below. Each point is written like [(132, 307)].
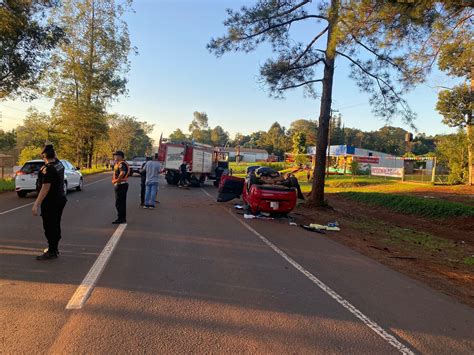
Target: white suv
[(27, 176)]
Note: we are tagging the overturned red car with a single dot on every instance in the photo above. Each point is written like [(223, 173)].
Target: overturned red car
[(258, 194)]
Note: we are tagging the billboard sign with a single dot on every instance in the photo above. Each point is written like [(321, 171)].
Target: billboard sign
[(390, 172)]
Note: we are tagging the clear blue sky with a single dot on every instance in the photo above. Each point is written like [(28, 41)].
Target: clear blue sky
[(174, 75)]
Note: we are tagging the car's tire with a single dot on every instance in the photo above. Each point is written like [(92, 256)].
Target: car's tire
[(65, 187), (194, 181), (21, 194), (172, 178), (81, 185)]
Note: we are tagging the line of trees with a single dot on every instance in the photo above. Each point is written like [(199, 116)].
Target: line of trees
[(451, 150), (74, 52)]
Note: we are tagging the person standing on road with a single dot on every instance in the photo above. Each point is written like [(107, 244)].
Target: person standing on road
[(51, 200), (183, 171), (153, 168), (143, 182), (120, 182)]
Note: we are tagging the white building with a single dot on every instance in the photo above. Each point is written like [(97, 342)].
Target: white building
[(250, 155)]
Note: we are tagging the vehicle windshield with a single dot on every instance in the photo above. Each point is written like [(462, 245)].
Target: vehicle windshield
[(30, 168), (139, 159)]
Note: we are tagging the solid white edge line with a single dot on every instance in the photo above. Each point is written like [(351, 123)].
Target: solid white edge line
[(29, 204), (326, 289), (208, 194), (85, 289), (16, 208)]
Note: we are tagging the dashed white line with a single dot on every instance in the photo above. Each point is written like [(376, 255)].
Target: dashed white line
[(326, 289), (83, 292)]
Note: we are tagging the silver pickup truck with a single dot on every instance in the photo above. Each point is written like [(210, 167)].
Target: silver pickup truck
[(136, 164)]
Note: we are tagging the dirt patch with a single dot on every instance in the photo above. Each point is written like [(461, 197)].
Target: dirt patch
[(439, 253)]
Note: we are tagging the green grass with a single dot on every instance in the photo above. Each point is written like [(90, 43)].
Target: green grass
[(432, 208), (7, 185), (239, 168), (468, 260), (95, 170), (405, 236)]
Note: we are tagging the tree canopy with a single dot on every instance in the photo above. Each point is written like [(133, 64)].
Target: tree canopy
[(26, 41)]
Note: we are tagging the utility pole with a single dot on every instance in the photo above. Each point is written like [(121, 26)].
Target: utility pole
[(329, 142)]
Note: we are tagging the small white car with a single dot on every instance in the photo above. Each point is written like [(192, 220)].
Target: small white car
[(27, 176)]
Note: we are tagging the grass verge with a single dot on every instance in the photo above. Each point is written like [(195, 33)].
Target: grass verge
[(411, 240), (431, 208), (95, 170), (7, 185)]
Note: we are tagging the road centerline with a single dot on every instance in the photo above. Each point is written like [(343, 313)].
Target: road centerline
[(84, 291), (389, 338)]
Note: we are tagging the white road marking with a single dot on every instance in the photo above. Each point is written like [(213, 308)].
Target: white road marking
[(207, 193), (31, 203), (83, 292), (16, 208), (330, 292)]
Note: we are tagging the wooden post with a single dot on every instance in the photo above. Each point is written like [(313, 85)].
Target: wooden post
[(433, 172)]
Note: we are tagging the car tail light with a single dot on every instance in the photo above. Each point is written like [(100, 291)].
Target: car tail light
[(20, 173)]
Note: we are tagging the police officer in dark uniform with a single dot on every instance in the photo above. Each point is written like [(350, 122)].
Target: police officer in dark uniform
[(120, 182), (51, 199)]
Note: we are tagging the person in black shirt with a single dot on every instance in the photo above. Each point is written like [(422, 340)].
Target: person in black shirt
[(52, 200), (120, 182)]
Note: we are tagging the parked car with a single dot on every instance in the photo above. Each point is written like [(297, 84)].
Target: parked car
[(27, 177), (136, 164)]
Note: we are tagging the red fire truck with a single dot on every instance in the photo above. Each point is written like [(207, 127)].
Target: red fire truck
[(203, 161)]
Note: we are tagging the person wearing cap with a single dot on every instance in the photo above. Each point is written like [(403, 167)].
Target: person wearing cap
[(51, 200), (120, 182)]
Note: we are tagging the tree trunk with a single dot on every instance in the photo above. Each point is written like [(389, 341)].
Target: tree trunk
[(317, 192), (470, 147), (469, 129), (91, 153)]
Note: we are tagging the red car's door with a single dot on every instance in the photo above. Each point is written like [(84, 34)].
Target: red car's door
[(230, 187)]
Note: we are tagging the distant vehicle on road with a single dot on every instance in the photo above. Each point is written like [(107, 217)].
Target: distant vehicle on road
[(136, 164), (26, 178)]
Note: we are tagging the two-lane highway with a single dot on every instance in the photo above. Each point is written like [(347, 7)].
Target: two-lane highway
[(193, 276)]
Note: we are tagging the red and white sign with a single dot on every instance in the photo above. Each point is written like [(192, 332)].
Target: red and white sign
[(367, 160), (393, 172)]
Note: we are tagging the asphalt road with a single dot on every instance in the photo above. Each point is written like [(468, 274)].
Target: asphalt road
[(194, 276)]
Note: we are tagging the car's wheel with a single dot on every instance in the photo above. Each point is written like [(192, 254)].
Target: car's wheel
[(172, 178), (21, 194), (81, 185), (65, 187)]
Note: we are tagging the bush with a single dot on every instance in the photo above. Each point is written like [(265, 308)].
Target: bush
[(29, 153), (7, 185)]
